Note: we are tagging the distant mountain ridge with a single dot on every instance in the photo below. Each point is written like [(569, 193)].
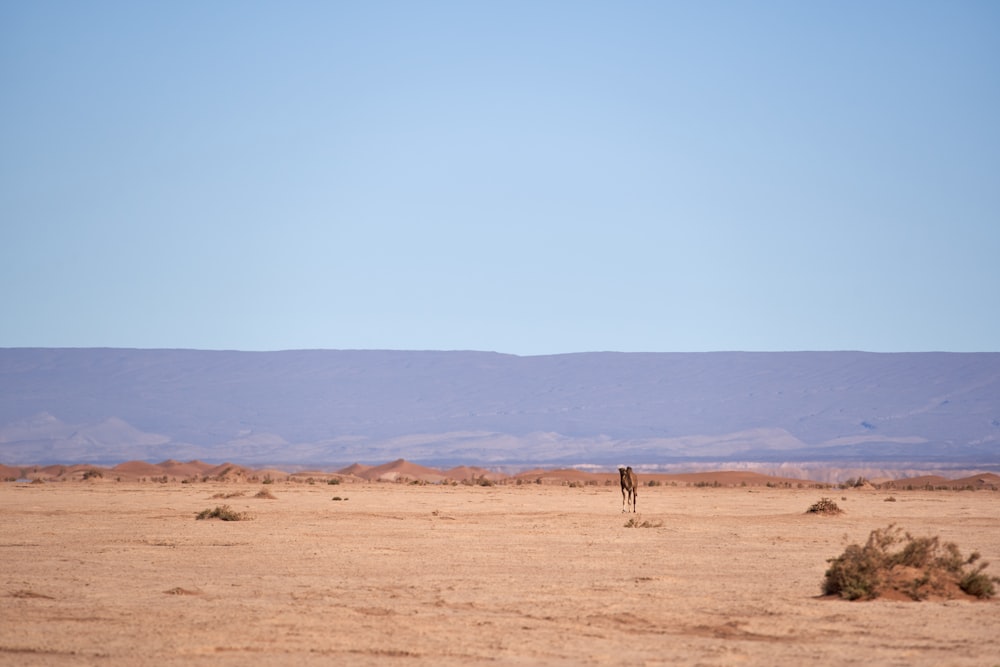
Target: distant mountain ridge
[(480, 408)]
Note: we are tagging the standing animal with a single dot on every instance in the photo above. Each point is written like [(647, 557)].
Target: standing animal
[(630, 487)]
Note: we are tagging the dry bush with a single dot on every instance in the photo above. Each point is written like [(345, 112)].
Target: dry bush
[(637, 523), (224, 513), (923, 567), (264, 493), (824, 506), (231, 494)]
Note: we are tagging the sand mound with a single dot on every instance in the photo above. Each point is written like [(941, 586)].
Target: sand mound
[(228, 472), (9, 473), (401, 470), (185, 469), (355, 469), (138, 469)]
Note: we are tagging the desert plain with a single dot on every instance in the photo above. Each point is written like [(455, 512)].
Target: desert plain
[(111, 572)]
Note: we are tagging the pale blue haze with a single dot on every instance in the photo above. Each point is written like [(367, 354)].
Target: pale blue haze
[(525, 177)]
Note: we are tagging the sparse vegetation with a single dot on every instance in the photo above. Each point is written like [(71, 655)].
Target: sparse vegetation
[(333, 481), (231, 494), (638, 523), (890, 499), (264, 493), (824, 506), (924, 566), (224, 513), (92, 474)]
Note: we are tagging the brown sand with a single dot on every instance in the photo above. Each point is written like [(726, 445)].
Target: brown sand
[(105, 572)]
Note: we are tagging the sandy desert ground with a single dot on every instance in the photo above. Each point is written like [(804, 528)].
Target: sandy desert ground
[(104, 572)]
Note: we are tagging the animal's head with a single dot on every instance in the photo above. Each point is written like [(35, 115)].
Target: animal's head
[(621, 470)]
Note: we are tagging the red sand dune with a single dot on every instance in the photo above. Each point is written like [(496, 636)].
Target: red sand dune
[(354, 469), (402, 469), (984, 480), (193, 468), (7, 472), (229, 471), (139, 469)]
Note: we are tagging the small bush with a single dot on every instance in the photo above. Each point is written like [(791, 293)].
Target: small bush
[(890, 499), (231, 494), (333, 481), (264, 493), (224, 513), (91, 474), (921, 568), (824, 506), (338, 498), (637, 523)]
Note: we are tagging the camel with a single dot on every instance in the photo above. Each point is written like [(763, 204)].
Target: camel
[(630, 487)]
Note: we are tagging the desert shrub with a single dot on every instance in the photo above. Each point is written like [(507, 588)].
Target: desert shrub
[(924, 566), (338, 498), (824, 506), (637, 523), (224, 513), (264, 493), (333, 481), (91, 474), (267, 480), (890, 499)]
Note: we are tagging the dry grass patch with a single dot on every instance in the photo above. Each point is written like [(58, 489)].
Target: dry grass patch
[(635, 522), (224, 513), (922, 568), (231, 494), (264, 493)]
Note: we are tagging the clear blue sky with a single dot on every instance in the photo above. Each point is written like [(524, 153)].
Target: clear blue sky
[(525, 177)]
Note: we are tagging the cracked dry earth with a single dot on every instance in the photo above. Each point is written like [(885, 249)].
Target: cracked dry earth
[(111, 573)]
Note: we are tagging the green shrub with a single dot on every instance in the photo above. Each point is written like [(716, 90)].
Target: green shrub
[(922, 567)]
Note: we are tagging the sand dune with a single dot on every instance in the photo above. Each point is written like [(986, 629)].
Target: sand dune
[(402, 470)]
